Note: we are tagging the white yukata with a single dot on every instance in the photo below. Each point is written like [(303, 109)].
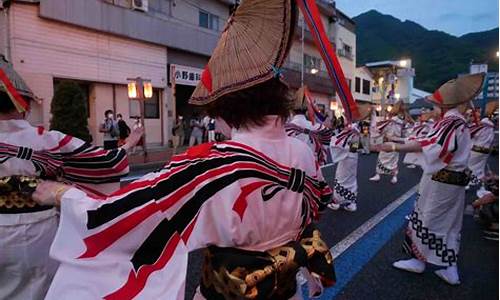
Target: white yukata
[(344, 148), (303, 122), (433, 232), (135, 243), (387, 162), (419, 130), (482, 136), (25, 237)]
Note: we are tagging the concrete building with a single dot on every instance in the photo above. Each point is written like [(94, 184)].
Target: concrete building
[(101, 43), (363, 84), (341, 31)]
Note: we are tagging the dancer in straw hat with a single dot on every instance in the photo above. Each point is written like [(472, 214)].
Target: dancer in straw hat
[(27, 229), (249, 201), (391, 130), (344, 149), (433, 232), (420, 129)]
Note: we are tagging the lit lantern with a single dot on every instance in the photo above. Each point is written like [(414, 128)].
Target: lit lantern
[(132, 89), (403, 63), (314, 71), (333, 105), (397, 96), (380, 81), (378, 108), (389, 108), (148, 89)]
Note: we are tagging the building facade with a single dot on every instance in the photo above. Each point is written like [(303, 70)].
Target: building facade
[(102, 43), (341, 31)]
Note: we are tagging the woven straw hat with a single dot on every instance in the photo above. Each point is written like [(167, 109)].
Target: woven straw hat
[(457, 91), (365, 110), (251, 50), (300, 99), (11, 83)]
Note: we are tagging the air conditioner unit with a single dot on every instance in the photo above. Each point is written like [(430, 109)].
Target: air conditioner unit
[(141, 5)]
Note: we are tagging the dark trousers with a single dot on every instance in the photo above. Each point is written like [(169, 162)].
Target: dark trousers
[(108, 145)]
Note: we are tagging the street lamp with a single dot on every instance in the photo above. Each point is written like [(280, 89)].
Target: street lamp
[(389, 108), (397, 96), (333, 105), (314, 71), (403, 63), (140, 89), (378, 108)]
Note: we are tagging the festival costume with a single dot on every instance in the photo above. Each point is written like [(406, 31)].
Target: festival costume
[(433, 232), (26, 228), (249, 201), (419, 130), (387, 162), (344, 148), (482, 135)]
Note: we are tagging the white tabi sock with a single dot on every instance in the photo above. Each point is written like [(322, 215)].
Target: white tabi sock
[(449, 275), (411, 265)]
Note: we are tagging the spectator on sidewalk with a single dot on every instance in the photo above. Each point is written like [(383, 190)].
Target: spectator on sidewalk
[(486, 208), (196, 131), (124, 130), (211, 130), (138, 124), (110, 129), (178, 133)]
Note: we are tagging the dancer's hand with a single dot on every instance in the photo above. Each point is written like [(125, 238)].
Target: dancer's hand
[(49, 193)]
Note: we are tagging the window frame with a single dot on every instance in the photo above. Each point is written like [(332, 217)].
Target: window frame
[(366, 89)]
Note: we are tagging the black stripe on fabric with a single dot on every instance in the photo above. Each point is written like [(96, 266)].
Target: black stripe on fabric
[(107, 161), (452, 126), (163, 188), (151, 249)]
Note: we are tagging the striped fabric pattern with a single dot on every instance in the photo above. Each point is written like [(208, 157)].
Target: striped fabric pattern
[(186, 183), (87, 164), (320, 138)]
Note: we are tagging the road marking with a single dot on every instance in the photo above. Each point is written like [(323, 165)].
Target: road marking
[(355, 251), (352, 238)]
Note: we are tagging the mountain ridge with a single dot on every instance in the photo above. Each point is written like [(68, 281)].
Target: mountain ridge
[(437, 56)]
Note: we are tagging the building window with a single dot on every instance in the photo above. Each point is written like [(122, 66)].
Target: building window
[(366, 87), (84, 86), (349, 82), (208, 20), (357, 85), (311, 62), (151, 107), (347, 49)]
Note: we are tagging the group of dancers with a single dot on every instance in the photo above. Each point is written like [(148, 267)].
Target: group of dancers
[(251, 202)]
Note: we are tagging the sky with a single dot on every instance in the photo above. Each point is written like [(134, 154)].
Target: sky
[(456, 17)]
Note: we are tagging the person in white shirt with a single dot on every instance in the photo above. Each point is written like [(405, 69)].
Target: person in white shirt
[(433, 232)]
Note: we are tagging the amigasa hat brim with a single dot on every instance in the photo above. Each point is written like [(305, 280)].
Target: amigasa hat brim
[(251, 50)]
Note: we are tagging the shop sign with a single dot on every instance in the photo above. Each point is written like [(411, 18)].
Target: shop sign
[(185, 75)]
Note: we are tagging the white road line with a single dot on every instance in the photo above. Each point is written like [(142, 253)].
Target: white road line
[(352, 238)]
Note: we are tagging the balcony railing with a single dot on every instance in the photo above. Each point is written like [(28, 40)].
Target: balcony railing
[(343, 53), (307, 69)]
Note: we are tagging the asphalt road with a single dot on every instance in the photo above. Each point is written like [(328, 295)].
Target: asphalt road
[(376, 279)]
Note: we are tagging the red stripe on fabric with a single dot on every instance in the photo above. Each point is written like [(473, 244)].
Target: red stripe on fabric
[(446, 145), (170, 201), (40, 130), (187, 232), (98, 242), (136, 282), (122, 165), (18, 100), (240, 205), (63, 142)]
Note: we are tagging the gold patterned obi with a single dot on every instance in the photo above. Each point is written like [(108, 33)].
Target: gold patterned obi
[(452, 177), (483, 150), (235, 274), (15, 195)]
